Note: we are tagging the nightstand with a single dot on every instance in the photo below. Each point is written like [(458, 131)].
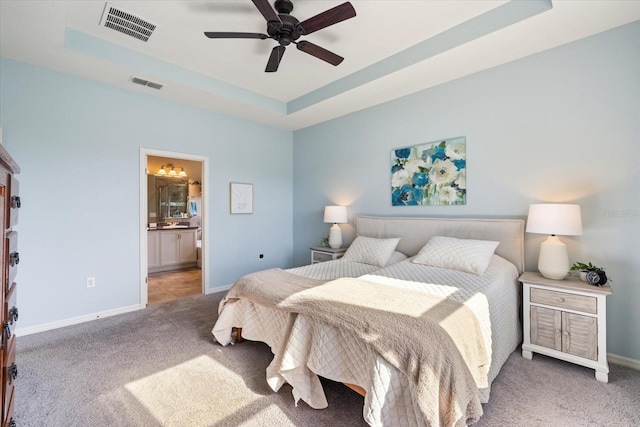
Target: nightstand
[(566, 319), (322, 254)]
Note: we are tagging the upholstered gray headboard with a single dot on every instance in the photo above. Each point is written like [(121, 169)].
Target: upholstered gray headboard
[(415, 232)]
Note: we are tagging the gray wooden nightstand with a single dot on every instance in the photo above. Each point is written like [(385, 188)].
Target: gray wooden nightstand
[(322, 254), (566, 319)]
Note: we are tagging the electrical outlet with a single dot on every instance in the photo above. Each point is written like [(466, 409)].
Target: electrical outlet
[(91, 282)]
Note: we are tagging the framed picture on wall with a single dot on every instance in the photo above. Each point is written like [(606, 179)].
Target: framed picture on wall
[(430, 174), (241, 198)]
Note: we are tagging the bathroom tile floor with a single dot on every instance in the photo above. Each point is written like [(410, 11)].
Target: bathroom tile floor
[(170, 285)]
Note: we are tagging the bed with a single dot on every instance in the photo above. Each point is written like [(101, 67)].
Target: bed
[(398, 390)]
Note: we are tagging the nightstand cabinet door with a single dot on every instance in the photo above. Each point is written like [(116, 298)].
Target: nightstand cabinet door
[(580, 335), (546, 327)]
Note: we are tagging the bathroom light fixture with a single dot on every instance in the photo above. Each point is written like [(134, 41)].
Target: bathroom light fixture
[(336, 215), (170, 170), (553, 219)]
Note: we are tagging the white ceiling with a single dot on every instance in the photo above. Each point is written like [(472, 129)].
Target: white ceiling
[(228, 75)]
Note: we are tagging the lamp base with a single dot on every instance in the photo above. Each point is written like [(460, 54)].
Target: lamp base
[(553, 262), (335, 236)]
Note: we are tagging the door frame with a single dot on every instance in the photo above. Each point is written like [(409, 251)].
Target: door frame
[(204, 215)]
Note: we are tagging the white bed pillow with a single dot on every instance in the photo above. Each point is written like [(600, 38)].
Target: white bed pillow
[(396, 257), (370, 250), (471, 256)]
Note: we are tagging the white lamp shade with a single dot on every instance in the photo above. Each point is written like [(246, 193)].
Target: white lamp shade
[(335, 214), (550, 218)]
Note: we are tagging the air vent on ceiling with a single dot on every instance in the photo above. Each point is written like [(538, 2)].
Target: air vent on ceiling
[(127, 23), (144, 82)]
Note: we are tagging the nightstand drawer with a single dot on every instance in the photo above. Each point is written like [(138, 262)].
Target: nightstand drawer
[(581, 303), (321, 257)]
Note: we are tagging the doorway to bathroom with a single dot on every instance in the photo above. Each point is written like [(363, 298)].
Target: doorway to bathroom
[(173, 224)]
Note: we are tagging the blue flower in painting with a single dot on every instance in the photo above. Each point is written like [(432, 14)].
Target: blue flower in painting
[(420, 179), (439, 153), (406, 195), (403, 153), (460, 163), (396, 168)]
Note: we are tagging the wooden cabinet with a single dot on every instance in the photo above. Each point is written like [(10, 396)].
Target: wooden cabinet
[(566, 319), (153, 249), (9, 207), (171, 249), (322, 254)]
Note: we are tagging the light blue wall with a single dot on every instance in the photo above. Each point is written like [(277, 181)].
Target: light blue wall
[(560, 126), (78, 142)]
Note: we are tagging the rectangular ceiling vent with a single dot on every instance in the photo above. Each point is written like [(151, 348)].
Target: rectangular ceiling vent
[(144, 82), (127, 23)]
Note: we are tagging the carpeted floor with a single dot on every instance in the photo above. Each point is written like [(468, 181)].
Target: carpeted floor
[(159, 367)]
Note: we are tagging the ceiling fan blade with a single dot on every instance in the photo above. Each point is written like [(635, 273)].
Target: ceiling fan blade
[(274, 59), (266, 10), (228, 35), (327, 18), (319, 52)]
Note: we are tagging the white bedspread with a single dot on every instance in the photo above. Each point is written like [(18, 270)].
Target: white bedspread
[(304, 347)]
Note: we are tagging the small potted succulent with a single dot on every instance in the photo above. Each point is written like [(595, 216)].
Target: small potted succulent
[(589, 273)]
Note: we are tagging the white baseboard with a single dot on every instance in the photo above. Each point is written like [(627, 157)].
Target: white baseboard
[(217, 289), (89, 317), (623, 361), (75, 320)]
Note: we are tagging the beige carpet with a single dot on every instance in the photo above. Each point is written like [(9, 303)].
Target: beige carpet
[(159, 367)]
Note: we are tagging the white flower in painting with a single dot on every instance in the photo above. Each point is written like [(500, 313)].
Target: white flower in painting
[(399, 178), (413, 166), (443, 172), (461, 180), (456, 150), (447, 195)]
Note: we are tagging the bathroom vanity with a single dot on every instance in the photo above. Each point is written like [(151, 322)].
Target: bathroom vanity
[(171, 248)]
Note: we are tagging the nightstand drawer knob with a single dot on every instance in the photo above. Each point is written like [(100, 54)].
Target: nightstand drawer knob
[(560, 299)]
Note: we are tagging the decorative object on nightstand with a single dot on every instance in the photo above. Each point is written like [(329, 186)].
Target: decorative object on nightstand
[(553, 219), (567, 320), (589, 273), (322, 254), (324, 242), (336, 215)]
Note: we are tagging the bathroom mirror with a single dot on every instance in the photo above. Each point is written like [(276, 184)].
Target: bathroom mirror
[(167, 198)]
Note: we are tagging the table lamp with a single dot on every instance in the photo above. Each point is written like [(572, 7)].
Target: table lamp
[(336, 215), (554, 219)]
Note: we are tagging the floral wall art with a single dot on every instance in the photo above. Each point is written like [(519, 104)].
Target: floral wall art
[(431, 174)]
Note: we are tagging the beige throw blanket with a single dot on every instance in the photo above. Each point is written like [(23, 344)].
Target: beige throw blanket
[(433, 340)]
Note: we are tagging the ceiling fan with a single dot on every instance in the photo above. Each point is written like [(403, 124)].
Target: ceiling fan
[(286, 29)]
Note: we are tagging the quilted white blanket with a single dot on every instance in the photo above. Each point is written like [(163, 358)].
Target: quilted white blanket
[(436, 342)]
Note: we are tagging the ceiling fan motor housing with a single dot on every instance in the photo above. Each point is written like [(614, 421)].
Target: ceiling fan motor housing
[(288, 30)]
